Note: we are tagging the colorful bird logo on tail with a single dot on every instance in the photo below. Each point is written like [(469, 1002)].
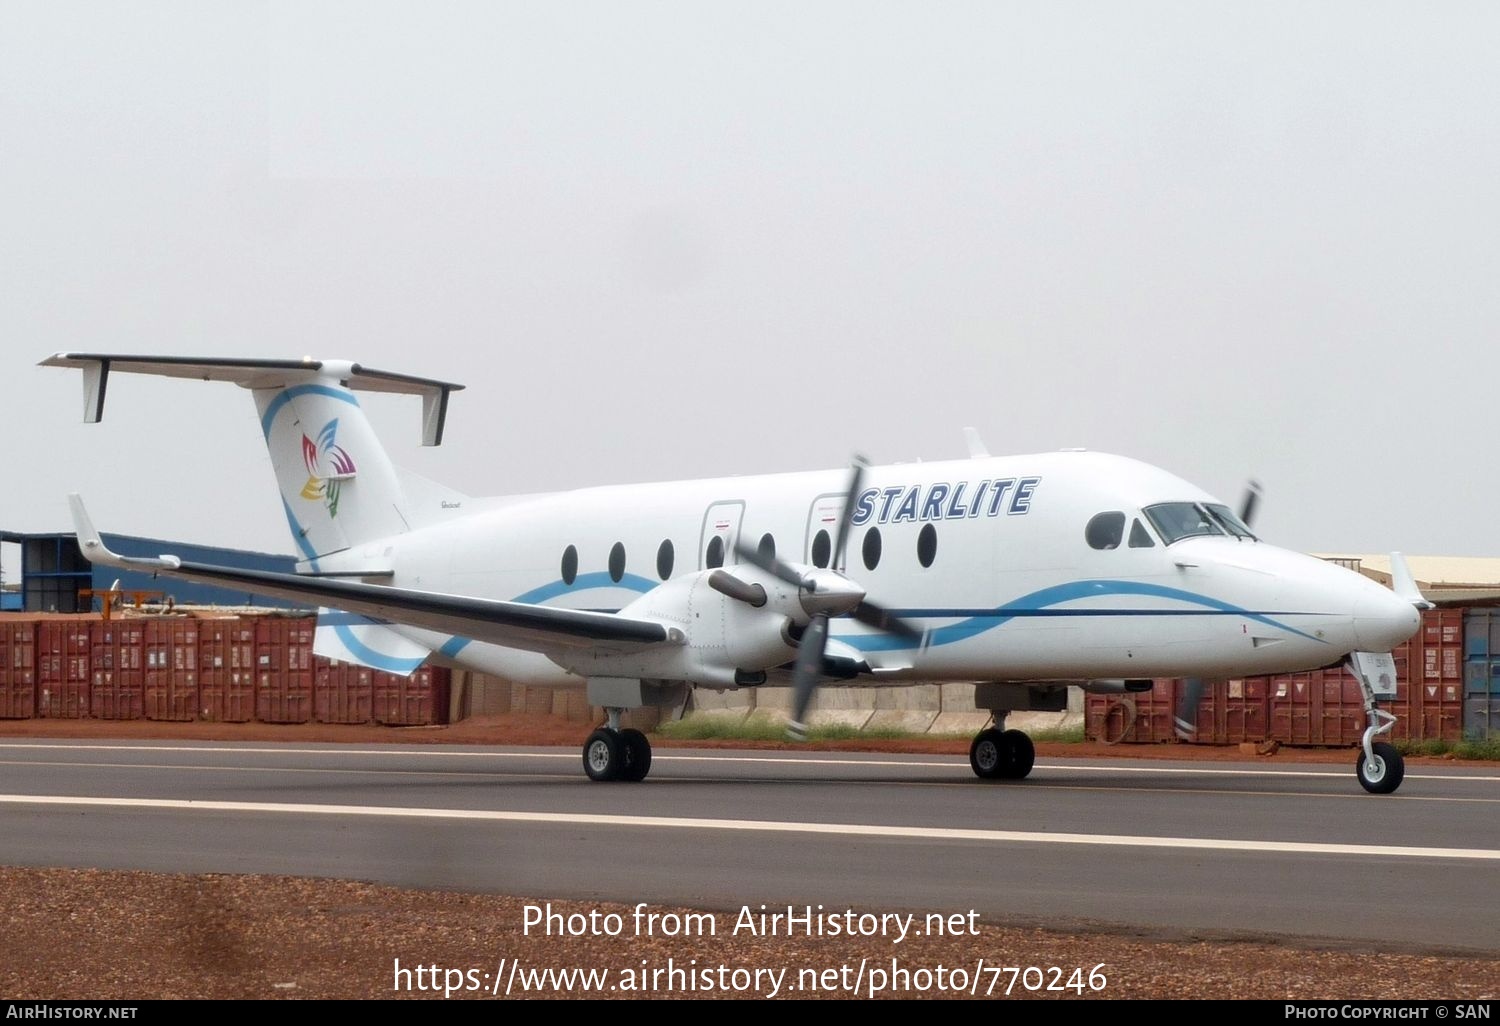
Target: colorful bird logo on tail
[(327, 465)]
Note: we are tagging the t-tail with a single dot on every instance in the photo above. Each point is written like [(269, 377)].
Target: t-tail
[(338, 486)]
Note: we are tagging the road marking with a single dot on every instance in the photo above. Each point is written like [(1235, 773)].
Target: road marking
[(788, 759), (770, 826)]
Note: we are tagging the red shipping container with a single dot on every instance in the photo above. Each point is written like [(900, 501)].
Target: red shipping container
[(418, 700), (172, 669), (1143, 717), (284, 669), (118, 682), (344, 692), (63, 668), (17, 669), (226, 674)]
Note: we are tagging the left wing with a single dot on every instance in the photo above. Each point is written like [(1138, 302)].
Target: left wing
[(513, 624)]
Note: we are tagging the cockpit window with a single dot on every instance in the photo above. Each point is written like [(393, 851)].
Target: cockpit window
[(1231, 523), (1140, 538), (1175, 521), (1105, 530)]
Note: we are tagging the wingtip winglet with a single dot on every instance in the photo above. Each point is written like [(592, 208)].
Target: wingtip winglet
[(95, 551), (1404, 584)]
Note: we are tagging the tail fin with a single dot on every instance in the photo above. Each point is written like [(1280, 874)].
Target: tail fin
[(338, 485)]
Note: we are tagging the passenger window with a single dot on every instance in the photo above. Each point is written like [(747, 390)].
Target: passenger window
[(767, 547), (664, 559), (871, 549), (1105, 530), (715, 555), (617, 562), (927, 545), (822, 548), (570, 565), (1140, 538)]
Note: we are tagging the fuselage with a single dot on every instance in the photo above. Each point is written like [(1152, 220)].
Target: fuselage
[(1063, 565)]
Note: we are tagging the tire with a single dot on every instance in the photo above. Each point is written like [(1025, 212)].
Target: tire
[(1023, 754), (602, 755), (990, 754), (1386, 774), (635, 747)]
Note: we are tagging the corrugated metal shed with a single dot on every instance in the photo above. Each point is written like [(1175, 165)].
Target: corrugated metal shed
[(53, 570), (1444, 580)]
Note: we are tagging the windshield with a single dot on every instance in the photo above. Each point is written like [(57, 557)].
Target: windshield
[(1177, 520), (1231, 523)]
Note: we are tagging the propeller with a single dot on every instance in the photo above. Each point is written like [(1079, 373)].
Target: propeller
[(1185, 718), (1249, 502), (825, 593)]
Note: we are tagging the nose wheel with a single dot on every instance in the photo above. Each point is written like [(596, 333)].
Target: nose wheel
[(1001, 754), (1379, 767)]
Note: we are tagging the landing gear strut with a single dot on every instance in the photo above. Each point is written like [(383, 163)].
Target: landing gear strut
[(1379, 767), (998, 754), (611, 753)]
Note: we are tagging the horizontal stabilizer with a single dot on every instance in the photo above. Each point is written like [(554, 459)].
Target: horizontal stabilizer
[(258, 374)]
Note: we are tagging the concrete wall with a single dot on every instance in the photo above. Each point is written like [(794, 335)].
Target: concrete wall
[(920, 708)]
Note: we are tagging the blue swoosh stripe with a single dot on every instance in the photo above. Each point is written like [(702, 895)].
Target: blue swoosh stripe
[(286, 395), (370, 657), (599, 579), (1036, 604)]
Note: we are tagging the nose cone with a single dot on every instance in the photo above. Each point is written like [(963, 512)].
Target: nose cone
[(1383, 620)]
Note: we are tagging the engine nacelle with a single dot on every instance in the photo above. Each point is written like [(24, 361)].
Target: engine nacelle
[(723, 641)]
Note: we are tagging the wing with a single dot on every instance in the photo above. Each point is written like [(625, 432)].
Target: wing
[(512, 624)]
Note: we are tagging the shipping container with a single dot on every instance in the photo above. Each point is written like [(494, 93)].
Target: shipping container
[(284, 669), (418, 700), (344, 692), (17, 669), (172, 669), (1320, 707), (1144, 717), (117, 686), (226, 671), (64, 654), (1482, 674)]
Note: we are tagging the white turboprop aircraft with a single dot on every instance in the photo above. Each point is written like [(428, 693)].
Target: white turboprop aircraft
[(1023, 574)]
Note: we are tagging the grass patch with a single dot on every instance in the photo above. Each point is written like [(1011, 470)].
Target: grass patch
[(1074, 735), (1486, 750), (1489, 749)]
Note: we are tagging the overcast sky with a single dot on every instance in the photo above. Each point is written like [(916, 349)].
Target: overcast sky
[(663, 240)]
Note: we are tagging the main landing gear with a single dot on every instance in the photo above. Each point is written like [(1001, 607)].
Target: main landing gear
[(998, 754), (611, 753)]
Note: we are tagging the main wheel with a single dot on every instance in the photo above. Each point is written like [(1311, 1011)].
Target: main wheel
[(603, 755), (636, 749), (1384, 774), (990, 754), (1023, 754)]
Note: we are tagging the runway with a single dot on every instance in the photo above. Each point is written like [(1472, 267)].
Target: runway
[(1162, 848)]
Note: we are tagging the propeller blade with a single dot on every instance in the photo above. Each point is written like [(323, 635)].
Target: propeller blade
[(1185, 720), (883, 619), (805, 674), (1249, 502), (770, 564), (856, 477), (727, 584)]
